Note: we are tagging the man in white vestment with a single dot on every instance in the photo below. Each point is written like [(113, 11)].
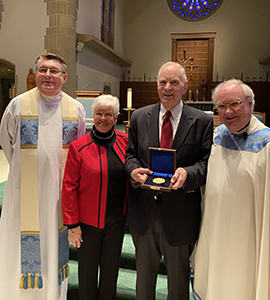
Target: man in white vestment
[(36, 129), (232, 258)]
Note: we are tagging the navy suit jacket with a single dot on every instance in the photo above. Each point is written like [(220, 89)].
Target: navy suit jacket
[(181, 209)]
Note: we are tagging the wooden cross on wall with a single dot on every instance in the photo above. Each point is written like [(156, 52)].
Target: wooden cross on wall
[(183, 61), (191, 66)]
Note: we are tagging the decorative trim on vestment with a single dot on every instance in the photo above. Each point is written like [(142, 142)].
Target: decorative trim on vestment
[(196, 296), (31, 281), (30, 261), (63, 255), (30, 239), (70, 130), (252, 142), (31, 277)]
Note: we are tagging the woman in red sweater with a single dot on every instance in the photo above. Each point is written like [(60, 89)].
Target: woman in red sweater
[(94, 196)]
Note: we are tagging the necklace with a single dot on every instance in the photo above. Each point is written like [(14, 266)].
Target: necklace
[(103, 138)]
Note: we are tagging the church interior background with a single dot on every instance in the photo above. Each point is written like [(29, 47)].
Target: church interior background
[(113, 45)]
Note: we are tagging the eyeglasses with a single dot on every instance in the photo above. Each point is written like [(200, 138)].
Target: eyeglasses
[(53, 71), (234, 105)]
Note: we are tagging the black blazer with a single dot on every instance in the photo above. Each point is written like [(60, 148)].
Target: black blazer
[(181, 209)]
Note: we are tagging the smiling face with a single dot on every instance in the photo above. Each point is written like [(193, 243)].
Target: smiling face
[(234, 120), (50, 84), (171, 85), (104, 119)]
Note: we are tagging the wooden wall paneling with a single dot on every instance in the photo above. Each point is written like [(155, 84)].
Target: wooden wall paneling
[(200, 46), (174, 50), (143, 93), (262, 97), (197, 49), (210, 68)]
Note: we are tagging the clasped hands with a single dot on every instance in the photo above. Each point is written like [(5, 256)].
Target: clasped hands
[(178, 179), (75, 236)]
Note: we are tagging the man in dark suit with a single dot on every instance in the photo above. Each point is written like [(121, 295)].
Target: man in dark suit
[(167, 223)]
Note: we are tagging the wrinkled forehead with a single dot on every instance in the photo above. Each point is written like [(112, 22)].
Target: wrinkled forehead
[(171, 72), (229, 92), (49, 63)]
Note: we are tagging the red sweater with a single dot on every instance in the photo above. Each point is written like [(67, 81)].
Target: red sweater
[(84, 191)]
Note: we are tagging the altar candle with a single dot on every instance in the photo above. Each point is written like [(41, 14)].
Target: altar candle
[(129, 98)]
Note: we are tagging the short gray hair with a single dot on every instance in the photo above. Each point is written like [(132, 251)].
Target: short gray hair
[(246, 89), (106, 101), (52, 56), (171, 63)]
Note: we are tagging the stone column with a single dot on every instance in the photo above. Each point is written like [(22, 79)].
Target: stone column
[(1, 10), (61, 36)]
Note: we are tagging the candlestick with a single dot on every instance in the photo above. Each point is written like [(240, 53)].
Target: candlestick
[(190, 95), (129, 98), (129, 109)]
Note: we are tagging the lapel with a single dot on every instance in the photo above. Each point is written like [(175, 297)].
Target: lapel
[(184, 127), (153, 125)]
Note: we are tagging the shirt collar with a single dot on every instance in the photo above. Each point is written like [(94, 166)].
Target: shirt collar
[(50, 99), (175, 111)]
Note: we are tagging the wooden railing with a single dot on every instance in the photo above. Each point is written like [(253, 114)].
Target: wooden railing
[(145, 92)]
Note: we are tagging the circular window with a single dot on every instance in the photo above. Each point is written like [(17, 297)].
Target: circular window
[(194, 10)]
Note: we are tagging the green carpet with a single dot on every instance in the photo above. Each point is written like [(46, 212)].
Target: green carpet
[(127, 275)]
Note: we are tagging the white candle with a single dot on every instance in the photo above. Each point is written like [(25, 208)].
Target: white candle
[(129, 98)]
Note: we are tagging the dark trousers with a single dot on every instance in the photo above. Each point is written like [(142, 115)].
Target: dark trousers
[(101, 249), (149, 250)]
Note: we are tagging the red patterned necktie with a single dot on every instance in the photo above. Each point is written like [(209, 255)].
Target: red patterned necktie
[(166, 132)]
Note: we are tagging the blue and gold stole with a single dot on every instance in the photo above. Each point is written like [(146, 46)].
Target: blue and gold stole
[(31, 277)]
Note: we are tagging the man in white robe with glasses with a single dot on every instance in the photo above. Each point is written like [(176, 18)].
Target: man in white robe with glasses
[(35, 132), (232, 258)]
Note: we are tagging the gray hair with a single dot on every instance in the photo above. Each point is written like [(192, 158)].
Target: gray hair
[(106, 101), (246, 89), (52, 56), (171, 63)]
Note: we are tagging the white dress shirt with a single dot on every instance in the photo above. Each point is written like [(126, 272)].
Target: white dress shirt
[(176, 113)]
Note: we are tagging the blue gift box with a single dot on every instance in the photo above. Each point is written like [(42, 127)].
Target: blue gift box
[(162, 162)]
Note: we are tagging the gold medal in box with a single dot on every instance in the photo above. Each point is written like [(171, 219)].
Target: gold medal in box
[(159, 180), (162, 163)]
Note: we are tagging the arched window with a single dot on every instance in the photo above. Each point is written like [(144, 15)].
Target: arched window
[(194, 10), (107, 22)]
